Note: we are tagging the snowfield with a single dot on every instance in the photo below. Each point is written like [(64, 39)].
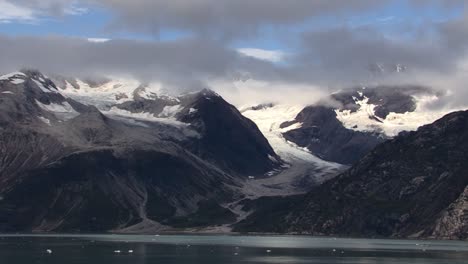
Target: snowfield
[(109, 93), (365, 120), (63, 111), (269, 120), (6, 77), (149, 117), (303, 168)]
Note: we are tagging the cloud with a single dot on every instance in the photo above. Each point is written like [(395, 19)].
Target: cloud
[(352, 51), (261, 54), (186, 63), (329, 58), (28, 11), (98, 40), (224, 18), (10, 12), (347, 54)]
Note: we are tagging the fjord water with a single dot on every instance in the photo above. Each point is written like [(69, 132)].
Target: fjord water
[(217, 249)]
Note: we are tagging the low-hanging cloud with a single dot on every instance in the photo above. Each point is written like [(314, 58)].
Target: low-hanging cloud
[(433, 52), (185, 63)]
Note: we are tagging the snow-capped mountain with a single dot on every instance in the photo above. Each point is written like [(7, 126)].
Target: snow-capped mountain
[(388, 110), (348, 124), (133, 165), (413, 186), (303, 165), (119, 155)]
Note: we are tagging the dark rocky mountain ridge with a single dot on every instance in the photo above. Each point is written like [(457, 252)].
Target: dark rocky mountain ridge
[(67, 167)]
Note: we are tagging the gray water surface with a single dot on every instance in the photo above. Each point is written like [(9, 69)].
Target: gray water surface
[(219, 249)]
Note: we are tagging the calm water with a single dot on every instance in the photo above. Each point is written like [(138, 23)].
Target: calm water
[(120, 249)]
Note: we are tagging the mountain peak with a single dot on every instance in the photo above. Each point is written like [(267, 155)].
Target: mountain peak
[(35, 74)]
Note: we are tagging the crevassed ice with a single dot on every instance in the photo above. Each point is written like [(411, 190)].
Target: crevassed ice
[(269, 120)]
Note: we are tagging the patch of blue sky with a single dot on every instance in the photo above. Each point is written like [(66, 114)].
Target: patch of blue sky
[(92, 24), (85, 25)]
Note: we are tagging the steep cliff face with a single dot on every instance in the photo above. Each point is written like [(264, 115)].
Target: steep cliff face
[(411, 186), (229, 139), (325, 136), (85, 166), (453, 222)]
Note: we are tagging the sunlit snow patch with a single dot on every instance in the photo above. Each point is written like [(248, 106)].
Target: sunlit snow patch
[(45, 120), (17, 81), (365, 120), (62, 111), (170, 111), (14, 78), (144, 116), (45, 89), (7, 77), (109, 93)]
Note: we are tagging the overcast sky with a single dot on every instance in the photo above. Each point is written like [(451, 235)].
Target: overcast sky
[(302, 45)]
